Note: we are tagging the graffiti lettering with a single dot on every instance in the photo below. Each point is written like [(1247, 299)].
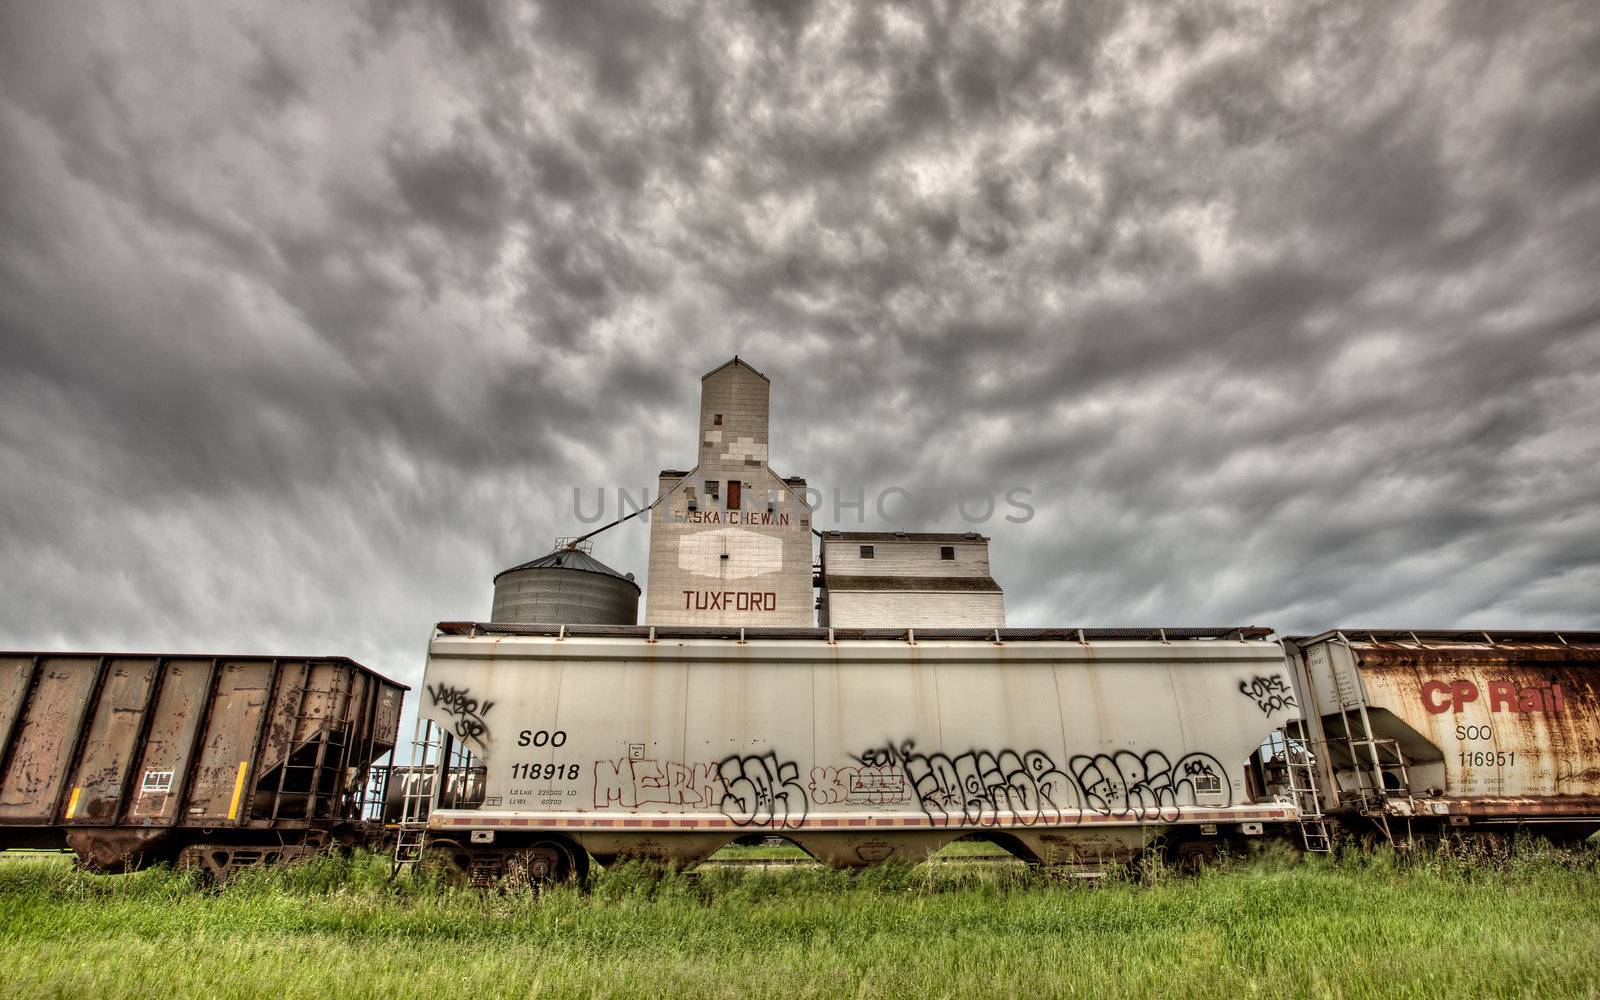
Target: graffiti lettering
[(976, 788), (879, 785), (985, 788), (465, 709), (1270, 694), (888, 755), (1147, 786), (633, 783), (762, 791), (750, 790), (991, 787)]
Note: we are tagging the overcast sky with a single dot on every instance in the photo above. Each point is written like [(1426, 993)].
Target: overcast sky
[(311, 321)]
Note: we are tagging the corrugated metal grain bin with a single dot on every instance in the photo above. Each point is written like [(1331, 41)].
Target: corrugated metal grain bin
[(1466, 729), (130, 759), (567, 586)]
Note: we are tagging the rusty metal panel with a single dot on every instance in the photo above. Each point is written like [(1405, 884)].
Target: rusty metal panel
[(1511, 720), (162, 771), (310, 703), (386, 723), (115, 723), (324, 703), (44, 738), (283, 716), (1332, 680), (16, 676), (223, 768), (355, 712)]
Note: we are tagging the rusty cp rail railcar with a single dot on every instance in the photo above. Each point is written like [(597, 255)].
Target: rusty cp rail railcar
[(1422, 731), (212, 760)]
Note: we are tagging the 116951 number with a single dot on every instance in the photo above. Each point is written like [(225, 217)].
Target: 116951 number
[(1488, 758)]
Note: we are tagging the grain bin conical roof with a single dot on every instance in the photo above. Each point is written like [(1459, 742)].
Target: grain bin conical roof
[(570, 559)]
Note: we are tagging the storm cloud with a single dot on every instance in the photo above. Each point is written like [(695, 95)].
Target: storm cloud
[(313, 319)]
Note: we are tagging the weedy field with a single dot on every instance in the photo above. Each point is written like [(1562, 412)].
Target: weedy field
[(1434, 925)]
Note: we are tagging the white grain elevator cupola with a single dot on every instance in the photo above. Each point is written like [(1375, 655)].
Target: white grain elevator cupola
[(730, 543)]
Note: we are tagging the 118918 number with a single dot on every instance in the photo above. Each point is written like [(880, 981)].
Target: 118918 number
[(544, 772)]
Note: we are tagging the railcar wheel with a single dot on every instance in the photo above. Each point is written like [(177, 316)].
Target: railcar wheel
[(543, 863), (1191, 857), (446, 863)]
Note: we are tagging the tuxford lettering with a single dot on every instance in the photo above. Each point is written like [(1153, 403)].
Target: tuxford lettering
[(730, 600)]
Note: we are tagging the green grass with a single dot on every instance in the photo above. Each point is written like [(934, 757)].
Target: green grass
[(1433, 926), (761, 852)]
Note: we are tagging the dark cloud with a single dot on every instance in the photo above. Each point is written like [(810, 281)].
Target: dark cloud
[(274, 81), (453, 188), (311, 322)]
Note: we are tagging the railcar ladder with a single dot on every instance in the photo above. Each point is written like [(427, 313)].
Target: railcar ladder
[(1302, 774), (1368, 756), (325, 726), (1383, 756), (416, 795)]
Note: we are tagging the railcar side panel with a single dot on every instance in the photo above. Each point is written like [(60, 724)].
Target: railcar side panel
[(100, 780), (859, 750), (1490, 725), (134, 758), (42, 740), (162, 772), (222, 769)]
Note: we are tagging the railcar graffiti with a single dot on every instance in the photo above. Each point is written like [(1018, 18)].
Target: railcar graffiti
[(466, 711), (631, 783), (1148, 786), (980, 787), (878, 785), (751, 790), (987, 788), (891, 754), (1271, 694), (762, 791)]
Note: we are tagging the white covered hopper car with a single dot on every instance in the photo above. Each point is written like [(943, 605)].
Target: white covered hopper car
[(859, 746)]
